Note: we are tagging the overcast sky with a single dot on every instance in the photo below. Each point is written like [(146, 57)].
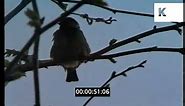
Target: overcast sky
[(158, 84)]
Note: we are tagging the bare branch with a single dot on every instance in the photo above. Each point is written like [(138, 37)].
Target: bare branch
[(49, 62), (137, 37), (112, 9), (35, 59), (60, 4), (114, 75), (16, 10), (90, 20), (130, 52)]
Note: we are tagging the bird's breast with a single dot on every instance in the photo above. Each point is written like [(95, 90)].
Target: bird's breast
[(70, 64)]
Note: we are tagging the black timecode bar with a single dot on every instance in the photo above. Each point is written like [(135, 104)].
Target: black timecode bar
[(92, 91)]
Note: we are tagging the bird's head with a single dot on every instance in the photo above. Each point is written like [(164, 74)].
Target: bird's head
[(69, 22)]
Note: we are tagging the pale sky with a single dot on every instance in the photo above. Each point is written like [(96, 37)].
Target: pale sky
[(158, 84)]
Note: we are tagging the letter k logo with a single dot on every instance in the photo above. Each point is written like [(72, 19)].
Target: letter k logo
[(161, 12)]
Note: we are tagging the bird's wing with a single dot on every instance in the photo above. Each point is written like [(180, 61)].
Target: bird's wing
[(84, 45), (59, 43)]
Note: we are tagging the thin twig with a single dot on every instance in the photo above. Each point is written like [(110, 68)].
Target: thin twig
[(137, 37), (35, 60), (114, 75), (90, 20), (136, 51), (112, 9), (16, 10)]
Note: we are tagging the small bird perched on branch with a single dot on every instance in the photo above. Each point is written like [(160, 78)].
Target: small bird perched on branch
[(69, 43)]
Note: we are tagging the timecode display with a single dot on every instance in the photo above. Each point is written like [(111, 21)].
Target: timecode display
[(81, 92)]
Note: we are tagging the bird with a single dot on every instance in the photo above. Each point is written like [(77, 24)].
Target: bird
[(69, 42)]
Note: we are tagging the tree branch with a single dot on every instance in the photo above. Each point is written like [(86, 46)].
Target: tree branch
[(111, 9), (35, 59), (16, 10), (136, 51), (114, 75), (49, 62), (90, 20), (139, 36)]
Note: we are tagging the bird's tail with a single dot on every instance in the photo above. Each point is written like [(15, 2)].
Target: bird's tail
[(71, 75)]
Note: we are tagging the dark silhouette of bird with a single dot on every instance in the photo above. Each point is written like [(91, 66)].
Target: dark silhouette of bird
[(69, 44)]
